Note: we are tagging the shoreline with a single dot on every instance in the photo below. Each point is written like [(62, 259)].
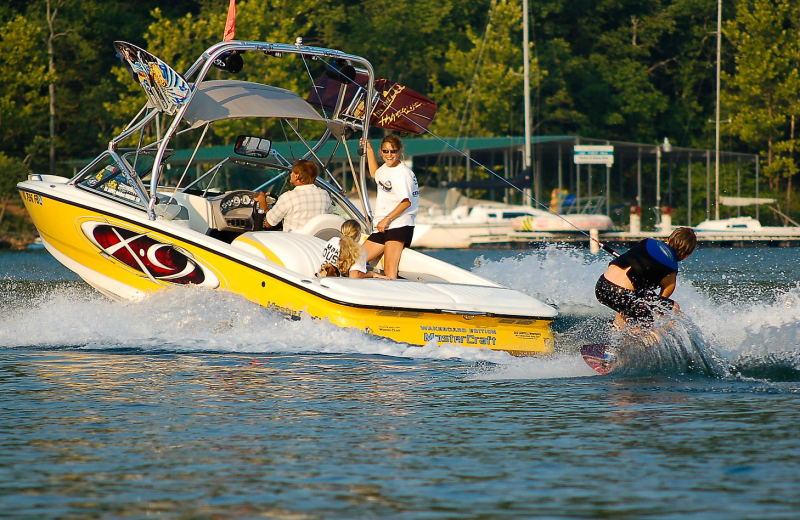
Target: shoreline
[(16, 241)]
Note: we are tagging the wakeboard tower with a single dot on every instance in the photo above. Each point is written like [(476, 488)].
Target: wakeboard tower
[(130, 225)]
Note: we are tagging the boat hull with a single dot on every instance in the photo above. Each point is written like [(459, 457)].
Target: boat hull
[(564, 223), (128, 258)]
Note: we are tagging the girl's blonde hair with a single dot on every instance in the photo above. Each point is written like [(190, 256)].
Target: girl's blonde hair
[(351, 228), (349, 248)]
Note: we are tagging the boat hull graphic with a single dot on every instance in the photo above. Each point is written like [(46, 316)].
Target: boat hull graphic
[(159, 261)]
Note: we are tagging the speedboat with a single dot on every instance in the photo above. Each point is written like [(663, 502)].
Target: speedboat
[(131, 224)]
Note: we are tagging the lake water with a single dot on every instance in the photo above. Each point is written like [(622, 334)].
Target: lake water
[(196, 404)]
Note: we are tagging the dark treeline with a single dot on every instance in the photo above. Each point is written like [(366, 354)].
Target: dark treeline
[(611, 69)]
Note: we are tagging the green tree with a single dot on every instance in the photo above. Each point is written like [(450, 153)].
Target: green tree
[(405, 41), (764, 91), (179, 42), (483, 91), (23, 81), (73, 39), (629, 70), (12, 171)]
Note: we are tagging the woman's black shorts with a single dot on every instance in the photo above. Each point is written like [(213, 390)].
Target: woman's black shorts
[(402, 234), (632, 305)]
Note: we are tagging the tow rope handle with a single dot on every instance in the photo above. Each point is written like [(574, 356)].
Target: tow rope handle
[(608, 250)]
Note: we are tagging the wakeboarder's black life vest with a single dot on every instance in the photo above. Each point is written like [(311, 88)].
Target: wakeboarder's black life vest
[(650, 261)]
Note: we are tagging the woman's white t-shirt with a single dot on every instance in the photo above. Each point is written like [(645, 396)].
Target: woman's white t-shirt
[(394, 185), (330, 255)]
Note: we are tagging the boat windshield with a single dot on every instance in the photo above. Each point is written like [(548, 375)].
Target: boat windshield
[(237, 173), (105, 177), (144, 160)]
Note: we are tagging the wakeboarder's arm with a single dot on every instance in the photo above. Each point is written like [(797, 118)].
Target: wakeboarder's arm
[(668, 287)]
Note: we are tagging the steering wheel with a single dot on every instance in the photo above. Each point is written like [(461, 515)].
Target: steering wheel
[(271, 199)]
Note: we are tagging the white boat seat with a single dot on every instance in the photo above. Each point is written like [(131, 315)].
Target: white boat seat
[(198, 209), (173, 211), (325, 226), (296, 252)]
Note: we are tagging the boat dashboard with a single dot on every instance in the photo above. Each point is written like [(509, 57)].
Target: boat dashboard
[(238, 211)]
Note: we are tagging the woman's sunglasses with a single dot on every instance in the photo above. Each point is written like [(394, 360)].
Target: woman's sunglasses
[(389, 152)]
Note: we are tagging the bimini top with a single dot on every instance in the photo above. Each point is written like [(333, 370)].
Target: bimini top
[(228, 99)]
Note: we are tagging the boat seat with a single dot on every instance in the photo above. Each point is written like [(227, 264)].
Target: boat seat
[(198, 209), (294, 251), (325, 226), (173, 211)]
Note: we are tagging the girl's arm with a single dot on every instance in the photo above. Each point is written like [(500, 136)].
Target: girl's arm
[(394, 214), (371, 159), (371, 274)]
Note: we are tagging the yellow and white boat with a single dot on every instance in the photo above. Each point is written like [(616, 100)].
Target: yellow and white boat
[(128, 239)]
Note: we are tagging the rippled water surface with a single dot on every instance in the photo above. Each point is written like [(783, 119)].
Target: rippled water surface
[(194, 404)]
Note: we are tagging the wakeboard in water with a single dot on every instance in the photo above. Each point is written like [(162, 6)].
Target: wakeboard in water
[(601, 357)]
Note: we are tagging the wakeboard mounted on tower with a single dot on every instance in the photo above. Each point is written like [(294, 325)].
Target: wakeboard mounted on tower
[(394, 106), (166, 90)]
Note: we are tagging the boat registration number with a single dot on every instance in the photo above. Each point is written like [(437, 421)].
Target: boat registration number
[(33, 198)]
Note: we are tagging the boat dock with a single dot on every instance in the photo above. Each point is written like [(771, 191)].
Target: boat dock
[(525, 239)]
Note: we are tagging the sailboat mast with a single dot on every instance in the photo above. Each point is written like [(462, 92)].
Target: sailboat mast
[(526, 73), (716, 131)]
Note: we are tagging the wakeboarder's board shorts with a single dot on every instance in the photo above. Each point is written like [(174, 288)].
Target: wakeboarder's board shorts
[(402, 234), (632, 305)]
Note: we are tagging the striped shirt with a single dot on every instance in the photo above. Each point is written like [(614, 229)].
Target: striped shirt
[(298, 206)]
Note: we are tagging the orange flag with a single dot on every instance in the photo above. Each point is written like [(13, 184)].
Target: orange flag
[(230, 25)]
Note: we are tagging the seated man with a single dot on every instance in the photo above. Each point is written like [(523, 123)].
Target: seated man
[(298, 206)]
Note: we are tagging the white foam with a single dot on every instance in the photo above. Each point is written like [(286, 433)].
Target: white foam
[(192, 319), (550, 367), (558, 275), (756, 326)]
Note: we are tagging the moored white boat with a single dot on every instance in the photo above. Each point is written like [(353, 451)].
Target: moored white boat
[(748, 226), (745, 226), (494, 222), (567, 223), (128, 239), (464, 225)]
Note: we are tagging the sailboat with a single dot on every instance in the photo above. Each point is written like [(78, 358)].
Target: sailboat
[(746, 226)]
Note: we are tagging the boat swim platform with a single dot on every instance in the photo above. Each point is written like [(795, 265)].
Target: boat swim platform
[(529, 239)]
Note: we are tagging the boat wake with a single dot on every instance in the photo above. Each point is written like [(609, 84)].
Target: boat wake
[(749, 339), (190, 319), (762, 340), (757, 337)]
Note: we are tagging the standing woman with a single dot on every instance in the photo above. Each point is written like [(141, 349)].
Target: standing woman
[(396, 205)]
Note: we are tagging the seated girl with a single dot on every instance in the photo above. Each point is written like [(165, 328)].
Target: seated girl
[(344, 256)]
